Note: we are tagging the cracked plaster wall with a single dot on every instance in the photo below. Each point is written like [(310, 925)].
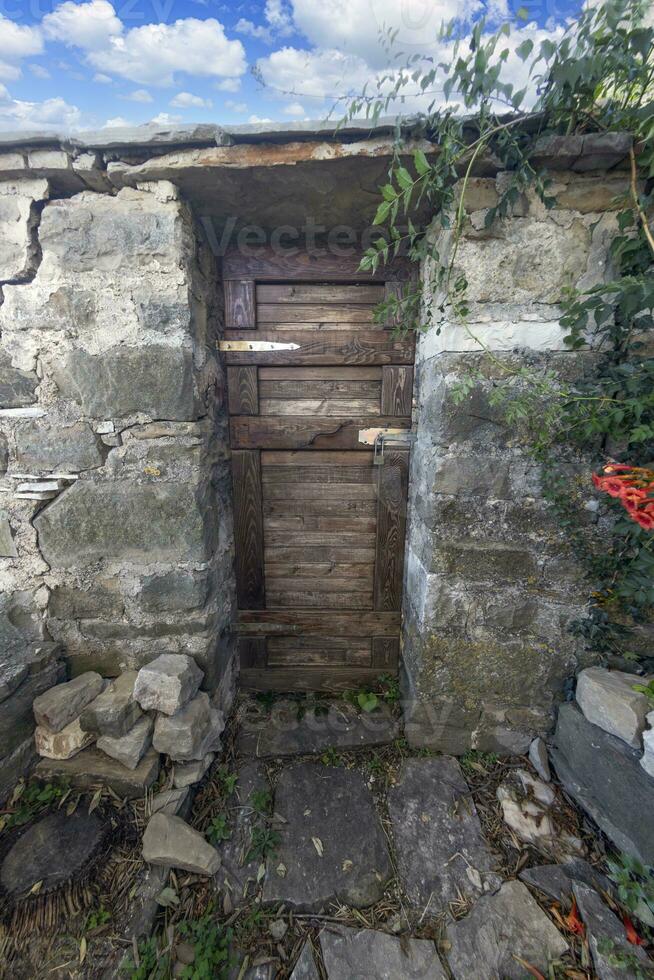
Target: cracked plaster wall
[(491, 583), (111, 307)]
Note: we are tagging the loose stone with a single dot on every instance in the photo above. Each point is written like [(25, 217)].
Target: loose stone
[(499, 929), (170, 801), (190, 733), (169, 842), (441, 852), (188, 773), (129, 749), (60, 705), (556, 880), (608, 700), (64, 744), (647, 761), (539, 760), (168, 683), (607, 939), (305, 968), (115, 712), (92, 768), (350, 953)]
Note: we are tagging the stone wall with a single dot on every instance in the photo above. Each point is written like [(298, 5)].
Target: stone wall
[(491, 583), (110, 386)]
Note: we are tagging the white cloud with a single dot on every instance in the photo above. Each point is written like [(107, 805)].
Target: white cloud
[(228, 85), (39, 71), (138, 95), (55, 114), (83, 25), (102, 79), (279, 17), (165, 119), (294, 109), (320, 74), (258, 119), (236, 106), (246, 27), (185, 100), (153, 54), (116, 122), (17, 41)]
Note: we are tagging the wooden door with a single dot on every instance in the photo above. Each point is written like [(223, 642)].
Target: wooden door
[(319, 528)]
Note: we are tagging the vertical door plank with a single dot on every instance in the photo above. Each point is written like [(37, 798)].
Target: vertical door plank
[(243, 390), (252, 651), (248, 529), (393, 289), (391, 523), (385, 652), (397, 390), (240, 306)]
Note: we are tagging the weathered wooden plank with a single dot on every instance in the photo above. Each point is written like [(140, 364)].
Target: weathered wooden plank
[(397, 390), (320, 508), (317, 474), (285, 599), (393, 289), (248, 530), (301, 457), (306, 522), (264, 622), (312, 584), (242, 391), (252, 651), (391, 525), (298, 432), (324, 347), (334, 552), (319, 539), (304, 373), (385, 652), (265, 263), (318, 651), (322, 570), (319, 293), (347, 315), (321, 491), (240, 309), (321, 407), (320, 389), (328, 679)]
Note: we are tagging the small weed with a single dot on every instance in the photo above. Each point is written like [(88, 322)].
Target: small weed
[(647, 690), (390, 688), (331, 757), (28, 800), (96, 919), (266, 698), (218, 830), (226, 779), (147, 962), (478, 761), (623, 959), (635, 884), (375, 766), (263, 843), (211, 945), (261, 800)]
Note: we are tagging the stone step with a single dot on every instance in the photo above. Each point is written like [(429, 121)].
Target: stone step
[(284, 732), (92, 768)]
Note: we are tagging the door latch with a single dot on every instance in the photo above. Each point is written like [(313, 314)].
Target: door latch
[(243, 346), (380, 438)]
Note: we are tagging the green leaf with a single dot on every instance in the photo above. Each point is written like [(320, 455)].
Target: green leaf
[(421, 162), (524, 50), (404, 178), (522, 13), (367, 701)]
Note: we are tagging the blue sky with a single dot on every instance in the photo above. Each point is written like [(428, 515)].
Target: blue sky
[(84, 65)]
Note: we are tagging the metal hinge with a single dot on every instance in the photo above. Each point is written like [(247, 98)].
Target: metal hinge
[(379, 438), (240, 346)]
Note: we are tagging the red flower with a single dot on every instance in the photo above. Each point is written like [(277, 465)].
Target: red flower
[(630, 931), (646, 521), (632, 497), (612, 485)]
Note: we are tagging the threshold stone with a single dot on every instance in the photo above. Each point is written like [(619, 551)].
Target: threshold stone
[(92, 768)]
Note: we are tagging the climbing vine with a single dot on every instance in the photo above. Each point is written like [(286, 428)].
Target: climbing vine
[(598, 77)]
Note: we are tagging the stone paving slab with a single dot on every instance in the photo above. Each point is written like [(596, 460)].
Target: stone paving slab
[(556, 880), (332, 845), (91, 768), (305, 968), (282, 733), (498, 929), (369, 955), (603, 930), (237, 874), (441, 852)]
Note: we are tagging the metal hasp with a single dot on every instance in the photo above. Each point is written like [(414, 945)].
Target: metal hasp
[(381, 437), (254, 345)]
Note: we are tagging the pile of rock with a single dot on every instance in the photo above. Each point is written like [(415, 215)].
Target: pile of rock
[(598, 755), (131, 720)]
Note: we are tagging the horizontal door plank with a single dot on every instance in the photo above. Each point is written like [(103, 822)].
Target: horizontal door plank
[(320, 539), (318, 474), (265, 262), (322, 570), (318, 651), (322, 407), (334, 552), (313, 458), (312, 523), (303, 373), (307, 313), (283, 599), (262, 622), (289, 432), (313, 389), (321, 491), (327, 679), (320, 508), (319, 293), (312, 584), (324, 347)]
